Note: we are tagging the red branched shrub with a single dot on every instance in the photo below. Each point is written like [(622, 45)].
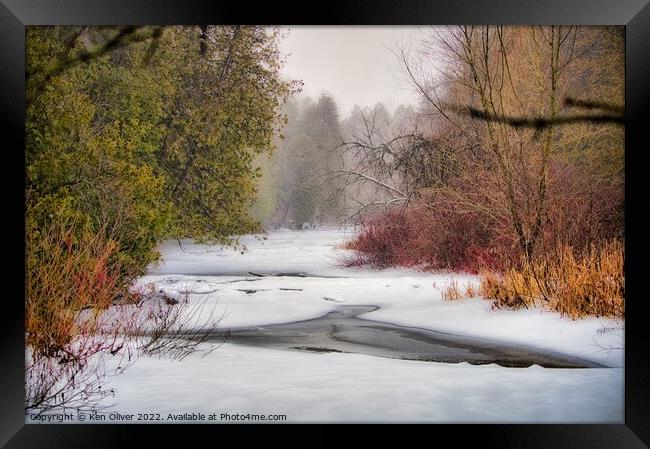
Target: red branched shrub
[(381, 241), (426, 236), (469, 228)]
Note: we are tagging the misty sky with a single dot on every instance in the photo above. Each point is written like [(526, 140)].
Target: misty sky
[(354, 64)]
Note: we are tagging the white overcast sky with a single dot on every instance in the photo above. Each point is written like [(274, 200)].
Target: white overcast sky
[(353, 63)]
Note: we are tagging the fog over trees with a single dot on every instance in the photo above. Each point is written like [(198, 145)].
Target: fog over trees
[(311, 176), (512, 159), (518, 127)]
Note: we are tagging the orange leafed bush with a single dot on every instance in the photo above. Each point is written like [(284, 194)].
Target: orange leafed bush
[(70, 280), (574, 284), (73, 327), (65, 275)]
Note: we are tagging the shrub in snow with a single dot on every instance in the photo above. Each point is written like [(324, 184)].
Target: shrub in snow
[(576, 284), (432, 237)]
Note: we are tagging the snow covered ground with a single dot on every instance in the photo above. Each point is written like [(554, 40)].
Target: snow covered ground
[(330, 387), (333, 387)]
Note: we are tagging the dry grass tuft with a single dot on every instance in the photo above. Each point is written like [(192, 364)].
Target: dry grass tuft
[(470, 291), (451, 292)]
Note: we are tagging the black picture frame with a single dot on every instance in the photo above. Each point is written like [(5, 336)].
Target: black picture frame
[(634, 14)]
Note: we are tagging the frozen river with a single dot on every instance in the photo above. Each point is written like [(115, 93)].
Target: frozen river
[(317, 342)]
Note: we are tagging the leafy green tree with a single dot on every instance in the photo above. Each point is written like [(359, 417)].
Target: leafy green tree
[(149, 132), (223, 114)]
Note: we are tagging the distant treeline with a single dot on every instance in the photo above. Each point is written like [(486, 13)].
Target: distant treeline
[(303, 180)]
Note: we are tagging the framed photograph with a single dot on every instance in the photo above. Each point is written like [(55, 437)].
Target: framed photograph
[(360, 213)]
